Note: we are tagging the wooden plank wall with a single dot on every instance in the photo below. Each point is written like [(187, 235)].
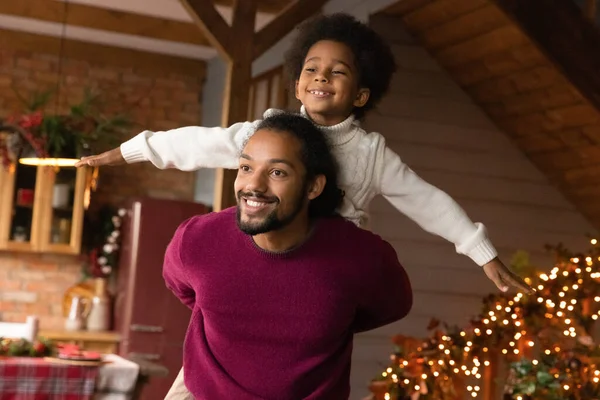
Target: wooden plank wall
[(449, 141)]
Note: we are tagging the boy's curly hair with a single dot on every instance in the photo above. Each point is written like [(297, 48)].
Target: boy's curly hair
[(373, 56)]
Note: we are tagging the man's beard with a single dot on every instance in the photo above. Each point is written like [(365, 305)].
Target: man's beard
[(271, 222)]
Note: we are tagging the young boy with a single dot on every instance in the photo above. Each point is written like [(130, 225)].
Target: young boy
[(341, 69)]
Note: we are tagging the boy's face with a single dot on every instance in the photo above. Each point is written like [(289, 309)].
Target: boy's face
[(328, 84)]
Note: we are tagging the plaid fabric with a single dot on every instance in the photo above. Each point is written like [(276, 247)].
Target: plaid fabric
[(24, 378)]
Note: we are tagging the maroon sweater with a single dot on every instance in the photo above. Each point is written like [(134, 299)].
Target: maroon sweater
[(279, 326)]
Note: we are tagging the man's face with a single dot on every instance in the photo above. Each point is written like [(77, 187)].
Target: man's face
[(271, 186)]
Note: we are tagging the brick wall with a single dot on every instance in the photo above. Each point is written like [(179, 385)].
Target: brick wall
[(155, 100)]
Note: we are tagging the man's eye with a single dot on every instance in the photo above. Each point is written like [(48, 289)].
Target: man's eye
[(277, 172), (245, 168)]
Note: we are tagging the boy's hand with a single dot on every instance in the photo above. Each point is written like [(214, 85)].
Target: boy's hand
[(503, 277), (111, 157)]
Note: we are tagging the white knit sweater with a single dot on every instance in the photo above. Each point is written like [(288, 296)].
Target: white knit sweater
[(367, 168)]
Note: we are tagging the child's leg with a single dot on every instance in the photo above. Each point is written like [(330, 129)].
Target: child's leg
[(178, 390)]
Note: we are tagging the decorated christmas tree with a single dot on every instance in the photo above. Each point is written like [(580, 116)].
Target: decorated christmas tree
[(540, 346)]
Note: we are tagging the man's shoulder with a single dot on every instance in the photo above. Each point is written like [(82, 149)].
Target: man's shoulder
[(216, 223), (344, 230)]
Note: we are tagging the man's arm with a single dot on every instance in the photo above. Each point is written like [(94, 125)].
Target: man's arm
[(387, 295), (174, 271)]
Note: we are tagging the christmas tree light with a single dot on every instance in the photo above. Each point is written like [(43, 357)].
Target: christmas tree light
[(544, 338)]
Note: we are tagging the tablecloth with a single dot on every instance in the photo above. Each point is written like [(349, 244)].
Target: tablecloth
[(23, 378), (116, 378)]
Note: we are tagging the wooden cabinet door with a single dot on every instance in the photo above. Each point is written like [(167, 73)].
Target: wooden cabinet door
[(35, 215), (61, 219)]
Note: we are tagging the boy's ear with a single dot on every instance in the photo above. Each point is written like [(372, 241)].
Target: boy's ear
[(362, 97), (296, 89), (317, 186)]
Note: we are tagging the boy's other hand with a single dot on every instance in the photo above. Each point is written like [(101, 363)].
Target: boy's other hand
[(111, 157), (503, 277)]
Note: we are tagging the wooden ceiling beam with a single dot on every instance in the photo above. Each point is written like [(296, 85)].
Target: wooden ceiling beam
[(287, 20), (265, 6), (567, 38), (136, 59), (107, 20), (211, 23)]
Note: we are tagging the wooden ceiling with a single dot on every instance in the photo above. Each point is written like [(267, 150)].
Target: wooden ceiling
[(534, 67)]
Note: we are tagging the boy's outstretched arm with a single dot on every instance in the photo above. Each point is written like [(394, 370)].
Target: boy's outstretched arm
[(187, 149), (437, 213)]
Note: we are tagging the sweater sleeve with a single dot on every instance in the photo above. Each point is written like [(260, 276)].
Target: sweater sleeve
[(433, 210), (189, 148), (387, 295), (174, 273)]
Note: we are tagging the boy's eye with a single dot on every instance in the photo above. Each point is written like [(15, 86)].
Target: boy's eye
[(338, 72), (310, 69)]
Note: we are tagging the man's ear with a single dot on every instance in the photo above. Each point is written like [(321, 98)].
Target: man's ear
[(296, 90), (362, 97), (316, 187)]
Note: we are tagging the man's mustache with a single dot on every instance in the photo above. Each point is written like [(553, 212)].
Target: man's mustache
[(258, 196)]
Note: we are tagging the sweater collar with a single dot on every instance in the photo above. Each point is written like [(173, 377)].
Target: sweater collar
[(340, 133)]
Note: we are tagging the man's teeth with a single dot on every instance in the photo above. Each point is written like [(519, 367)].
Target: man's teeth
[(254, 203)]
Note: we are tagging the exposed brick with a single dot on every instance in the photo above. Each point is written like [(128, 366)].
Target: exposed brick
[(36, 283), (19, 296), (10, 285), (46, 285), (105, 74)]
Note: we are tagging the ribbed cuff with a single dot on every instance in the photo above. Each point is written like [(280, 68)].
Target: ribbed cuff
[(131, 150), (483, 253)]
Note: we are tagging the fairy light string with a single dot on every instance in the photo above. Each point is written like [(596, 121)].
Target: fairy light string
[(544, 338)]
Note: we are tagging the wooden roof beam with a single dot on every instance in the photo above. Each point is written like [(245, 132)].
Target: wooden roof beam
[(104, 19), (211, 23)]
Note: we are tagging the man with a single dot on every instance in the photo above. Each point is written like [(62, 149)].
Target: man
[(279, 284)]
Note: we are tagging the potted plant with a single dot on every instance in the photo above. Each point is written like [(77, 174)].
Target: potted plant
[(39, 135)]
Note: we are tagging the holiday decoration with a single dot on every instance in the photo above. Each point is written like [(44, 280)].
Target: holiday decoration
[(40, 135), (104, 238), (25, 348), (545, 340)]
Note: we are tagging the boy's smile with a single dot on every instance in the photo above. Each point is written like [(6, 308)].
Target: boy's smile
[(328, 85)]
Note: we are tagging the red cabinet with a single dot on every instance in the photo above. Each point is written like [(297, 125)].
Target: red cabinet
[(150, 319)]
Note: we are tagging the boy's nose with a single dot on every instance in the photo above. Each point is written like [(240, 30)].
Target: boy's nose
[(321, 79)]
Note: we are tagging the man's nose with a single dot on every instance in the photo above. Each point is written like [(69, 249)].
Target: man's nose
[(256, 183)]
